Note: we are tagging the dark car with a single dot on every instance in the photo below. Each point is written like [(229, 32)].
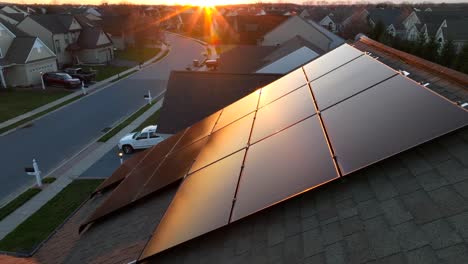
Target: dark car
[(62, 79), (83, 75)]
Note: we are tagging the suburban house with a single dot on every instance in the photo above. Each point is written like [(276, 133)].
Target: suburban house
[(72, 41), (394, 22), (336, 20), (376, 175), (307, 29), (23, 57), (12, 18), (441, 25), (248, 29), (57, 32), (203, 93)]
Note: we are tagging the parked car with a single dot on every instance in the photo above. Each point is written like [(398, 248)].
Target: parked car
[(140, 140), (83, 75), (61, 78)]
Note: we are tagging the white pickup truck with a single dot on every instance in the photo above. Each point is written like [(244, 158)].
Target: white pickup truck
[(140, 140)]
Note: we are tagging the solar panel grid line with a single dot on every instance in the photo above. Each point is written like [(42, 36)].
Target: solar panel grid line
[(159, 165), (324, 130), (245, 156), (262, 106), (244, 102), (279, 84), (351, 96), (344, 64)]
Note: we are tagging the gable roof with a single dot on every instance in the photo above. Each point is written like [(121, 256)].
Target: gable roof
[(387, 16), (289, 46), (202, 94), (20, 49), (89, 37), (244, 58), (18, 17), (55, 23), (457, 29)]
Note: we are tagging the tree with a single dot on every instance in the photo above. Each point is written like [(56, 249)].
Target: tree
[(418, 48), (447, 55), (462, 59), (431, 49), (378, 31)]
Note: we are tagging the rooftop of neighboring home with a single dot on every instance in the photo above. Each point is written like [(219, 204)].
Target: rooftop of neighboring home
[(388, 16), (203, 93), (456, 29), (409, 208), (55, 23)]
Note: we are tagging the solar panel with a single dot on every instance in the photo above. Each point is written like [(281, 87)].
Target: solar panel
[(237, 110), (348, 80), (225, 141), (284, 165), (127, 191), (202, 204), (389, 118), (282, 86), (197, 131), (121, 171), (283, 113), (174, 168), (331, 61)]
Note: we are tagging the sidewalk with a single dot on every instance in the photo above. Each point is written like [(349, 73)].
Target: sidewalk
[(69, 171), (93, 88)]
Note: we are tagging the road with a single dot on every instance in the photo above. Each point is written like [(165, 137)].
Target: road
[(58, 136)]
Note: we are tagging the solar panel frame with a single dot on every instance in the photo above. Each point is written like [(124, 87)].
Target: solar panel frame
[(238, 110), (279, 88)]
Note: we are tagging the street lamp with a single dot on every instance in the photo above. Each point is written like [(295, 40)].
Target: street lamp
[(42, 80), (121, 157)]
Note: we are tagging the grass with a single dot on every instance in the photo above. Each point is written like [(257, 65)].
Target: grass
[(125, 123), (124, 75), (48, 180), (152, 120), (28, 119), (17, 102), (105, 71), (41, 224), (137, 54), (17, 202)]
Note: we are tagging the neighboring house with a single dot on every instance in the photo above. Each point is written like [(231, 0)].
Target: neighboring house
[(13, 10), (118, 30), (244, 58), (393, 20), (23, 57), (57, 32), (249, 28), (12, 18), (260, 181), (203, 93), (309, 30), (336, 20), (455, 30)]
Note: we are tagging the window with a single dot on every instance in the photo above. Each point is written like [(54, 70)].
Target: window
[(57, 46), (153, 135), (142, 136)]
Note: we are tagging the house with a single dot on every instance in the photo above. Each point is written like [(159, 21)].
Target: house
[(269, 59), (393, 20), (57, 32), (75, 39), (454, 29), (249, 29), (12, 18), (275, 189), (202, 93), (336, 20), (23, 57), (307, 29)]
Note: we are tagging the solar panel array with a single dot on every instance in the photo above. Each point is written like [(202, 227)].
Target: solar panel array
[(337, 114)]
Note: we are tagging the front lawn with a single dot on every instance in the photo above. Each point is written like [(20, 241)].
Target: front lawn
[(18, 202), (15, 102), (42, 223), (106, 71), (137, 54)]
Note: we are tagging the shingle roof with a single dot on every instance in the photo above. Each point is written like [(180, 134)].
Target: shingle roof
[(457, 29), (289, 46), (89, 37), (53, 22), (15, 16), (18, 32), (20, 49), (192, 96), (244, 59), (387, 16)]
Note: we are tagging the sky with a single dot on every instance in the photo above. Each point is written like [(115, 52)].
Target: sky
[(198, 2)]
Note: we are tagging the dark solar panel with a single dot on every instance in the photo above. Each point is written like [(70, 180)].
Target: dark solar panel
[(389, 118), (225, 141), (197, 131), (331, 61), (284, 165), (282, 113), (238, 109), (127, 191), (174, 168), (202, 204), (122, 171), (348, 80), (282, 86)]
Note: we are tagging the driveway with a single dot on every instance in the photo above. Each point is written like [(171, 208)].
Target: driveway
[(58, 136)]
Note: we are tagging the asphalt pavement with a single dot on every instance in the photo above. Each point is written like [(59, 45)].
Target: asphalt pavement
[(59, 135)]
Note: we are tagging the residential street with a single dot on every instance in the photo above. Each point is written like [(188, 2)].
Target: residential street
[(58, 136)]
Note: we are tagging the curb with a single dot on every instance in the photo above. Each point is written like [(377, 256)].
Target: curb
[(94, 88)]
